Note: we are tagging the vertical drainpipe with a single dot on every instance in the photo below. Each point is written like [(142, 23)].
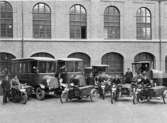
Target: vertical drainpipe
[(22, 34), (160, 45)]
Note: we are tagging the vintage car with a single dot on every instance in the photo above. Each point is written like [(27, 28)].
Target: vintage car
[(38, 72), (70, 70)]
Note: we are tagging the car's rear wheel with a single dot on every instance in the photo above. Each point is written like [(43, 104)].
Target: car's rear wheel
[(40, 93)]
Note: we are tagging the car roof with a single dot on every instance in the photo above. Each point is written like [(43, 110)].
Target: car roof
[(139, 62), (69, 59), (35, 58), (100, 65)]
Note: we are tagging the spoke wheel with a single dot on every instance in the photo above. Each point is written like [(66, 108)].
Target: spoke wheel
[(103, 94), (64, 97), (24, 99), (164, 96), (93, 95), (113, 97), (135, 98), (40, 94)]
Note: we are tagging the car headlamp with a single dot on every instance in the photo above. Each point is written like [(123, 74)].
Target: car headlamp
[(48, 80)]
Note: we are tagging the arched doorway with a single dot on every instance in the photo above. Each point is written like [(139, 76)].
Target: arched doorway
[(42, 54), (144, 62), (5, 64), (86, 58), (115, 62)]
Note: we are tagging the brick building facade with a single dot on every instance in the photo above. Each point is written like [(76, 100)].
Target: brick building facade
[(114, 32)]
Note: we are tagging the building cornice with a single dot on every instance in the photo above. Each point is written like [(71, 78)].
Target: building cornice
[(86, 40)]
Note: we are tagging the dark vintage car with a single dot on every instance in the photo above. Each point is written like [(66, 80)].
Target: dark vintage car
[(38, 72), (70, 69)]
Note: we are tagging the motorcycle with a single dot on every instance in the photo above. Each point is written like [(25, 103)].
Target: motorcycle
[(114, 93)]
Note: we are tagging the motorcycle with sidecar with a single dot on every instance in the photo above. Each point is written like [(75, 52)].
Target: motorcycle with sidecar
[(70, 70)]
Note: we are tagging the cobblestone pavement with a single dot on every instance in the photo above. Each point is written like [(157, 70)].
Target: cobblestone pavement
[(101, 111)]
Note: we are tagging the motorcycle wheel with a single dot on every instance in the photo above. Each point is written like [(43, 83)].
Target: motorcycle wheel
[(24, 99), (64, 97), (113, 97), (164, 96), (93, 95), (103, 94), (40, 94), (135, 98)]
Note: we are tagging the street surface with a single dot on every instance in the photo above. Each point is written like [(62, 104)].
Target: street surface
[(101, 111)]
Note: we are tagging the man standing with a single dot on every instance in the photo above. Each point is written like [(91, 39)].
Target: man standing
[(6, 88), (15, 83), (128, 76)]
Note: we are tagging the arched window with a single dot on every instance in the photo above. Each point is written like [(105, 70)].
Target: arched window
[(115, 62), (42, 54), (41, 21), (143, 24), (112, 23), (5, 64), (78, 22), (144, 61), (6, 20), (83, 56)]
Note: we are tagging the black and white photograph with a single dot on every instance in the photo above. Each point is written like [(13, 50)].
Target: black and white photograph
[(83, 61)]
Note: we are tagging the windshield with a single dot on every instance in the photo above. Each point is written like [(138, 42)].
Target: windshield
[(46, 67), (75, 66)]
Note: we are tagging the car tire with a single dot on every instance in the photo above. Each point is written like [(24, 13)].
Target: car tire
[(40, 93)]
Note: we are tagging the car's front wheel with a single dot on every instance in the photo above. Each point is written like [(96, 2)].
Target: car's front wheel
[(40, 93)]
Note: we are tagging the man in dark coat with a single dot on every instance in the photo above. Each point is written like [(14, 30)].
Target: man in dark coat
[(6, 88), (128, 76)]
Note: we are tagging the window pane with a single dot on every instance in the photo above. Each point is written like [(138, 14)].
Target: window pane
[(143, 24), (6, 20), (42, 67), (112, 23), (78, 24), (41, 21)]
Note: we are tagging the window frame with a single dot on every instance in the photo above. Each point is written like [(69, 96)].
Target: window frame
[(76, 27), (6, 21), (143, 25), (112, 23), (37, 23)]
